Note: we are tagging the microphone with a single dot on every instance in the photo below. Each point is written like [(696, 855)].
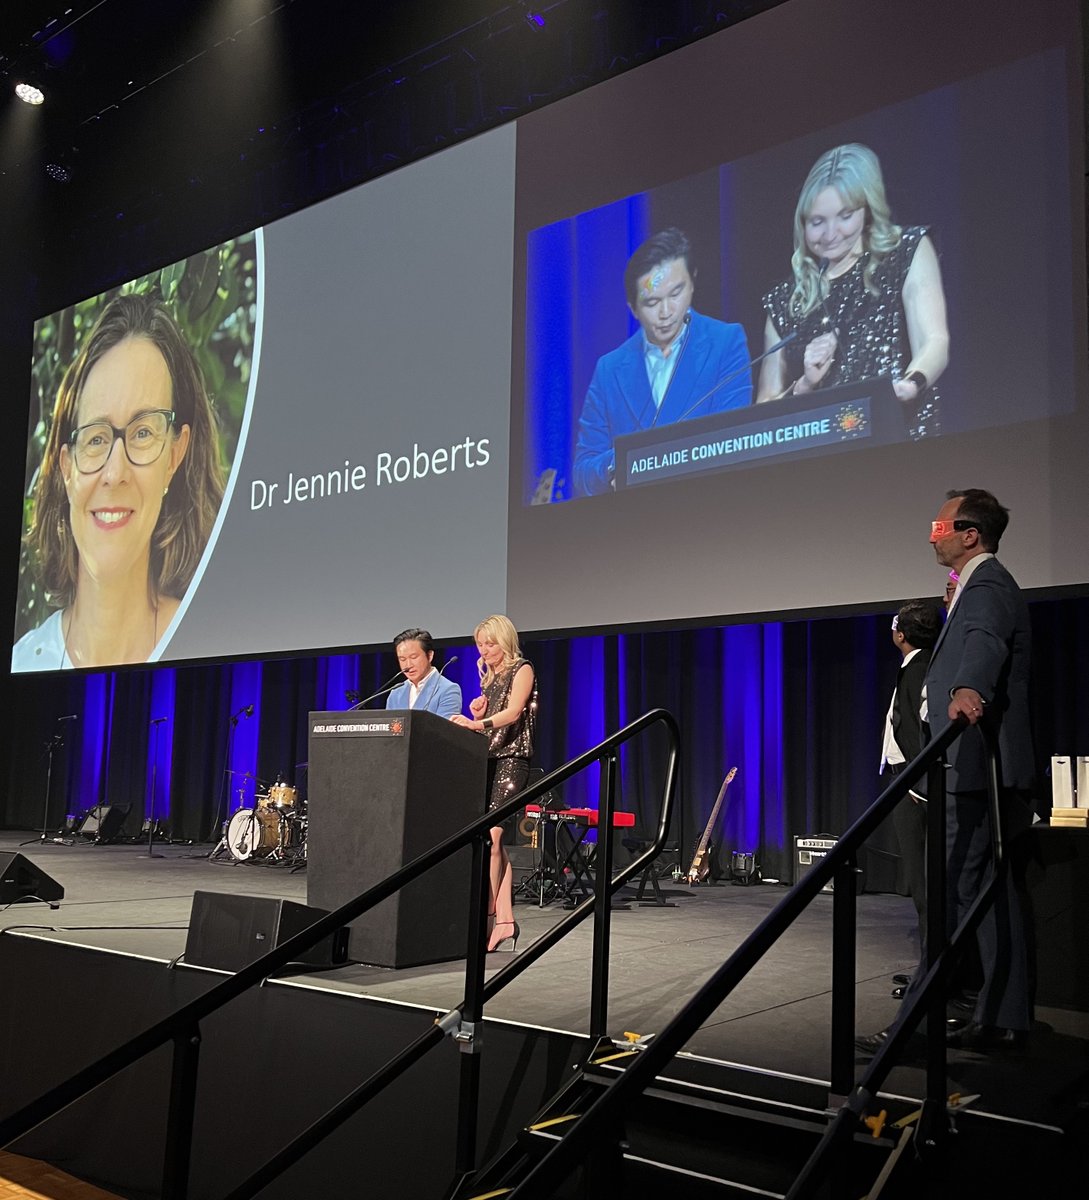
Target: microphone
[(388, 686), (449, 663), (245, 711), (70, 717), (248, 710), (734, 374), (157, 720)]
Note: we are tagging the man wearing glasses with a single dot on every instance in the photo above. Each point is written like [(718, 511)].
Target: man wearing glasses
[(979, 670)]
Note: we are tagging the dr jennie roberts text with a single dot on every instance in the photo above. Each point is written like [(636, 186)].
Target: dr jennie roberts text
[(387, 469)]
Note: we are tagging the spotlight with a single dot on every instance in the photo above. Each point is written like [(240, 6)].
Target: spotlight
[(535, 20), (29, 94), (58, 172)]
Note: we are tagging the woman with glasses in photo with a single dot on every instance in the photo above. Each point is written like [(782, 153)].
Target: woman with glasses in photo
[(128, 490)]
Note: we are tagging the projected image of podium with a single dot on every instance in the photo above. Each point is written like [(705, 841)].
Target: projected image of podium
[(833, 420), (385, 787)]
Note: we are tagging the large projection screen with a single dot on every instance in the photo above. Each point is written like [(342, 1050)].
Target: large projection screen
[(403, 377), (976, 117)]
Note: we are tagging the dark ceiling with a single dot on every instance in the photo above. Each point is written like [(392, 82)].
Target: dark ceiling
[(175, 120)]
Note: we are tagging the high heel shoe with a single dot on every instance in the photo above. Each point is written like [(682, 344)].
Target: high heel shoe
[(511, 937)]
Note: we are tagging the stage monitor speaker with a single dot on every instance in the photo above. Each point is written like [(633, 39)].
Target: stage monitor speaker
[(104, 822), (229, 932), (20, 879), (808, 851)]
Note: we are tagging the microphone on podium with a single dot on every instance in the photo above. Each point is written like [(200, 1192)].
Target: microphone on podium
[(388, 686), (734, 374)]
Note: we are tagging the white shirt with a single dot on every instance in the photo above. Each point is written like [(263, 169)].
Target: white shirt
[(414, 691), (965, 575), (891, 753), (661, 364), (42, 649)]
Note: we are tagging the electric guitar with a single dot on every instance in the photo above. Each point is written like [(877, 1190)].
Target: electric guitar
[(701, 862)]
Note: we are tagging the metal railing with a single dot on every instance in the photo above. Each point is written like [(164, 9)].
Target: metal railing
[(182, 1028), (593, 1138)]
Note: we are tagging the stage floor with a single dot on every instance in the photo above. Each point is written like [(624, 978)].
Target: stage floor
[(119, 899)]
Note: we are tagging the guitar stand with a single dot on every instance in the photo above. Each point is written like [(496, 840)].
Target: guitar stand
[(651, 872)]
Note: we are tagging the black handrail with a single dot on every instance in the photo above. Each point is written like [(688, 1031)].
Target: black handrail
[(582, 1138), (182, 1026)]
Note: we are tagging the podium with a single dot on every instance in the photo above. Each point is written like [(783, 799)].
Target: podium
[(866, 413), (384, 788)]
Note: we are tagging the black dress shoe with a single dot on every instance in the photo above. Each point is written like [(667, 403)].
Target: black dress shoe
[(901, 978), (986, 1037), (897, 992), (870, 1043)]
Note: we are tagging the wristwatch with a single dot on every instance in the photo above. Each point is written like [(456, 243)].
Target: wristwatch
[(917, 378)]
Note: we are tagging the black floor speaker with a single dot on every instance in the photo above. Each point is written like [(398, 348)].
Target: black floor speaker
[(104, 822), (20, 879), (229, 932)]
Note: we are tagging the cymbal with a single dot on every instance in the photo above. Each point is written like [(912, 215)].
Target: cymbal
[(243, 774), (301, 766)]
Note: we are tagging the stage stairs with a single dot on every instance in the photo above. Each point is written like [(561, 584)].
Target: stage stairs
[(716, 1129)]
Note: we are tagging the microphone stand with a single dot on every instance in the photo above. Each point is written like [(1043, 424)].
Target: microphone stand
[(381, 692), (156, 722), (224, 799), (56, 739), (735, 374)]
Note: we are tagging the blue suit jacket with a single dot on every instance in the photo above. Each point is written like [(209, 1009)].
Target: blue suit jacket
[(620, 401), (986, 645), (439, 695)]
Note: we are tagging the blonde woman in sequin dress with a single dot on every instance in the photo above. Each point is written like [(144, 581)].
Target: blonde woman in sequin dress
[(865, 296), (506, 711)]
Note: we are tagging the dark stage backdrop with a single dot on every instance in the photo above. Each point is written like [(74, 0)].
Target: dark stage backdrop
[(797, 707)]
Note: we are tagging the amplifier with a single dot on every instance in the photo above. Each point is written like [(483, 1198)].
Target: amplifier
[(808, 851)]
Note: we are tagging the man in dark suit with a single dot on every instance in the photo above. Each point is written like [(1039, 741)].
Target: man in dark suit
[(915, 629), (668, 371), (979, 670)]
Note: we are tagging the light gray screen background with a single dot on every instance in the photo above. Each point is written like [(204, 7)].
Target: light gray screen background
[(386, 325)]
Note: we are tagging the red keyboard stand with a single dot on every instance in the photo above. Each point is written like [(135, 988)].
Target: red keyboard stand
[(572, 873)]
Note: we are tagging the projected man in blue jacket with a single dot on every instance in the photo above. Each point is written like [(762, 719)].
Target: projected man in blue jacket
[(664, 373)]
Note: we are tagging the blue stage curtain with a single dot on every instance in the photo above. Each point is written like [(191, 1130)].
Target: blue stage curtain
[(575, 311), (796, 706)]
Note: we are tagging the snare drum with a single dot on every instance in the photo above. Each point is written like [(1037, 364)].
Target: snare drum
[(253, 833)]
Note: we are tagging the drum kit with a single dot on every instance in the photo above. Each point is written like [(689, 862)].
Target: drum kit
[(273, 831)]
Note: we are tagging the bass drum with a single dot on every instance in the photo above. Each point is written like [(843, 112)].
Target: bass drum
[(253, 833)]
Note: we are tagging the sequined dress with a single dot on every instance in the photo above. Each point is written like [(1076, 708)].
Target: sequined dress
[(873, 334), (510, 748)]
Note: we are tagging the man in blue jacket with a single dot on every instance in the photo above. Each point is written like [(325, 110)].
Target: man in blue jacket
[(424, 688), (666, 372)]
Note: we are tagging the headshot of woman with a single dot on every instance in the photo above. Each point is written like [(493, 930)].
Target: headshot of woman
[(865, 297), (506, 710), (127, 492)]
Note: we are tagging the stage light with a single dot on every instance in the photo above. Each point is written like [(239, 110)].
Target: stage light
[(536, 20), (58, 172), (29, 94), (744, 869)]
